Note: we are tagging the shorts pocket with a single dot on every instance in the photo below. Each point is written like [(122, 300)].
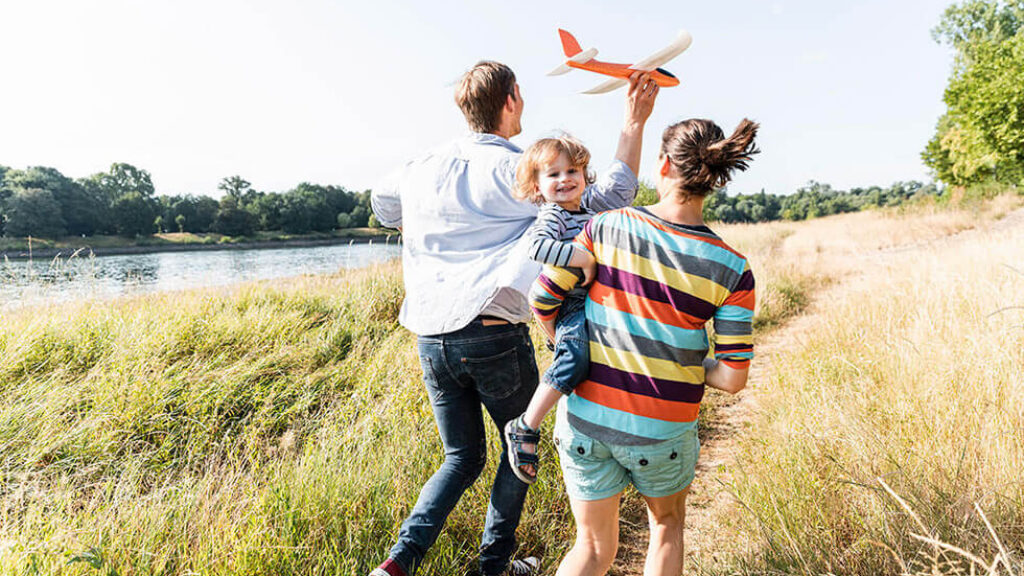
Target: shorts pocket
[(578, 447), (666, 467), (495, 376)]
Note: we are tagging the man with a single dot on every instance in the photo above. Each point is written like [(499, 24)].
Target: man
[(466, 275)]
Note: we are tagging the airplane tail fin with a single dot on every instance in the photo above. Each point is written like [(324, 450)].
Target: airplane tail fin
[(569, 44), (573, 52)]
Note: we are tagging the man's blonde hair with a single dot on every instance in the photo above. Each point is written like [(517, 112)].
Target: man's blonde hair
[(543, 153), (483, 92)]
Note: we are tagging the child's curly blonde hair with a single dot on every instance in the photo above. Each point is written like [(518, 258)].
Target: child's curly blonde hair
[(541, 154)]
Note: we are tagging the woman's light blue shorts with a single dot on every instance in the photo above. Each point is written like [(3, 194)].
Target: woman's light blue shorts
[(593, 470)]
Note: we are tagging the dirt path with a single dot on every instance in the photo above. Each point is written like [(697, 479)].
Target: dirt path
[(711, 506)]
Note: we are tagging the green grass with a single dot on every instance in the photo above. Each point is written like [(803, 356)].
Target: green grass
[(282, 428), (273, 430)]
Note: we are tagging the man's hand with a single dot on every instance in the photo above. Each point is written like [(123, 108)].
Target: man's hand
[(639, 105), (584, 260), (640, 98)]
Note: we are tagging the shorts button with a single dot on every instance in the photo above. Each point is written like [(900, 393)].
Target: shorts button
[(673, 456), (580, 450), (643, 461)]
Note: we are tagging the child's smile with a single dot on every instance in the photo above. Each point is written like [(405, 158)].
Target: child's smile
[(562, 183)]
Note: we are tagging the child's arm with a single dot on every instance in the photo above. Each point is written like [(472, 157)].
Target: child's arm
[(547, 294), (547, 246), (546, 233)]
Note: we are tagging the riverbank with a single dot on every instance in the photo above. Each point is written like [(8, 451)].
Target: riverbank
[(42, 249)]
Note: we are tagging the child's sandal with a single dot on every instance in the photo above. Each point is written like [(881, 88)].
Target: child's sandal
[(518, 434)]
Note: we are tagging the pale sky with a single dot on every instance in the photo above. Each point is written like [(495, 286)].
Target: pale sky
[(340, 92)]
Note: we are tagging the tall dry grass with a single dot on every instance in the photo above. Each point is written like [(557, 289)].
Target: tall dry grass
[(914, 375), (281, 428)]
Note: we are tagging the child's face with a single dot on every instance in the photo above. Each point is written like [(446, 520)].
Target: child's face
[(562, 183)]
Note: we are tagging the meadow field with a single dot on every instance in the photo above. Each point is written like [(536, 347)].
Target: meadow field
[(281, 427)]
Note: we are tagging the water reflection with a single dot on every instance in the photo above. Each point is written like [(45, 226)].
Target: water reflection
[(24, 283)]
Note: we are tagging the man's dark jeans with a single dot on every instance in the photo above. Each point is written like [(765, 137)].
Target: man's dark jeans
[(489, 365)]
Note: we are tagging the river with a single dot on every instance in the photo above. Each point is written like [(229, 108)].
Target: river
[(25, 283)]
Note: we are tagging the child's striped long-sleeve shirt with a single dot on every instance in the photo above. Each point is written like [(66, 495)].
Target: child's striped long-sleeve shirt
[(551, 243), (657, 286)]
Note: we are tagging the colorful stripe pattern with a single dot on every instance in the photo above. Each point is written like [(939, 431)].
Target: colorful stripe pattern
[(657, 286)]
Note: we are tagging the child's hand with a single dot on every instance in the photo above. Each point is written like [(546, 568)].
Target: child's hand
[(584, 260), (589, 269)]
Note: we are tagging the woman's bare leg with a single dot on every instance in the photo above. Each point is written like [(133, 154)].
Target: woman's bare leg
[(666, 516), (597, 537)]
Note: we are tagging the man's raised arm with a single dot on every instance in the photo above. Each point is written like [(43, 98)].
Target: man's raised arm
[(616, 188)]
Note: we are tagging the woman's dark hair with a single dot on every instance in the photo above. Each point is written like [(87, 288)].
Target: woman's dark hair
[(703, 157)]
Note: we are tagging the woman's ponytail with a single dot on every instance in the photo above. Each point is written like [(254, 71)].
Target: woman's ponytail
[(703, 157)]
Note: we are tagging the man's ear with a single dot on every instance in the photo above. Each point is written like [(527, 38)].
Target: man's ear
[(510, 103)]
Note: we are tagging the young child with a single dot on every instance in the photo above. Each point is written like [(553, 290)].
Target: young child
[(553, 173)]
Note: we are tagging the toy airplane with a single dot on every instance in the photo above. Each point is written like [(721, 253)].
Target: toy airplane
[(584, 60)]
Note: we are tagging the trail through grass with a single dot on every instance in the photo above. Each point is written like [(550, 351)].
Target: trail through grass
[(909, 370)]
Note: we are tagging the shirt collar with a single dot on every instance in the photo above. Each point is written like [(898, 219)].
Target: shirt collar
[(493, 140)]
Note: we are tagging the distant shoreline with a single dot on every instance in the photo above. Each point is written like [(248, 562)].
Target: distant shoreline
[(86, 250)]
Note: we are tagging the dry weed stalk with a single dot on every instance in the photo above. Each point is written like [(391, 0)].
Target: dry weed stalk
[(1002, 558)]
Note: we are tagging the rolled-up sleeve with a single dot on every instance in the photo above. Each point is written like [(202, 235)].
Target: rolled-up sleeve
[(386, 201), (734, 340), (615, 188)]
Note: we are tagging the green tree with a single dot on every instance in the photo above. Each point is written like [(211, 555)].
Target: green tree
[(199, 212), (5, 193), (981, 135), (179, 221), (238, 188), (973, 22), (314, 201), (34, 212), (268, 211), (360, 217), (134, 214), (646, 194), (296, 215), (125, 179), (81, 209), (233, 220)]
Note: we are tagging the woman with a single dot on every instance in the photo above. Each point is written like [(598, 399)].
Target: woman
[(662, 275)]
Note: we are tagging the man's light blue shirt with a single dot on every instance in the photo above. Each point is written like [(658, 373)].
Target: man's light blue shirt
[(463, 249)]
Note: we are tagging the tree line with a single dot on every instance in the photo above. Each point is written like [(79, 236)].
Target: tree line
[(42, 202), (811, 201)]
